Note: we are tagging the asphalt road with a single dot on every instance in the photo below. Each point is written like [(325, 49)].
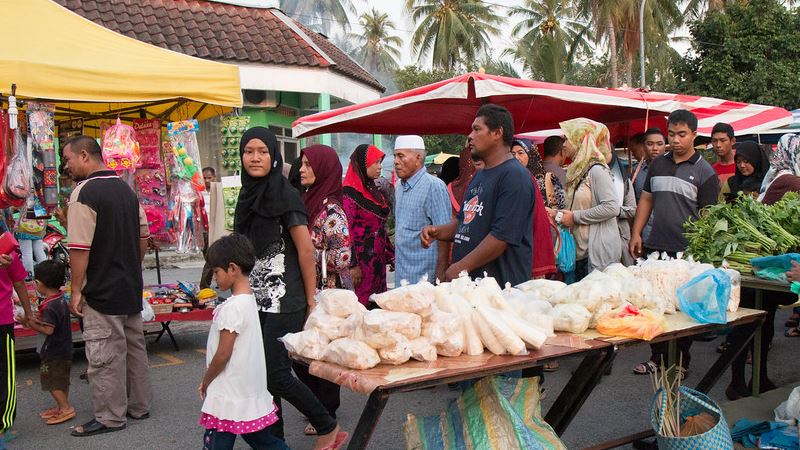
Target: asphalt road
[(619, 405)]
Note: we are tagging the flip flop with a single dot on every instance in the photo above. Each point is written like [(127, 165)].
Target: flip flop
[(93, 427), (142, 417), (551, 366), (645, 368), (310, 430), (341, 437), (62, 417), (792, 332), (49, 413)]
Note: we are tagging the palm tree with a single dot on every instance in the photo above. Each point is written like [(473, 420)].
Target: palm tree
[(320, 14), (377, 49), (661, 18), (548, 38), (452, 31), (605, 18)]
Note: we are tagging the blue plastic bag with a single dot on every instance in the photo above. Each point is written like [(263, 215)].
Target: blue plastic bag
[(566, 253), (774, 267), (705, 297)]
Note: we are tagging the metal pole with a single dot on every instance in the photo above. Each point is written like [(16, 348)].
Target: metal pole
[(641, 43)]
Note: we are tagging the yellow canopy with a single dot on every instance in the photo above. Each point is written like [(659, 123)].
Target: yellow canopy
[(92, 72)]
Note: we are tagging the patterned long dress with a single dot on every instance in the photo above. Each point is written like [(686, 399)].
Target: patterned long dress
[(371, 248), (330, 233)]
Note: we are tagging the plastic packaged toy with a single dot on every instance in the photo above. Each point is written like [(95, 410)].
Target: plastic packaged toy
[(120, 147), (183, 137)]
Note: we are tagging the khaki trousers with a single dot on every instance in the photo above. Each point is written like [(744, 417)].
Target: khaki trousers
[(119, 373)]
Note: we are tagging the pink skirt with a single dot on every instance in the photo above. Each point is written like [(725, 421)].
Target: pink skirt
[(236, 427)]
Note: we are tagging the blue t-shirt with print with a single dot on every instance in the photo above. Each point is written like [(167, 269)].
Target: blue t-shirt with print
[(499, 201)]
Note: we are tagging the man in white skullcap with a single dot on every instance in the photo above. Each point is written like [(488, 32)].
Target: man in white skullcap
[(421, 200)]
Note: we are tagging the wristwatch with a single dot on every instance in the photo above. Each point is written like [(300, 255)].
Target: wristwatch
[(559, 216)]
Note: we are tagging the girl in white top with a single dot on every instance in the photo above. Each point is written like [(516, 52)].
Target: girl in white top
[(234, 388)]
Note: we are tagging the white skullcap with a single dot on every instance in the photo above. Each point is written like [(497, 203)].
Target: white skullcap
[(410, 142)]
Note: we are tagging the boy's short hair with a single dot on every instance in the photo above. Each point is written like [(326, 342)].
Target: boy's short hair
[(722, 127), (234, 248), (651, 131), (52, 274), (680, 116)]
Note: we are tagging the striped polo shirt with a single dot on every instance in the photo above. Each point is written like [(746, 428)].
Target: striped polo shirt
[(105, 219), (680, 191)]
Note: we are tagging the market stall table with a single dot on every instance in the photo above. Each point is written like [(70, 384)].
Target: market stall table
[(195, 315), (26, 337), (384, 380), (680, 326)]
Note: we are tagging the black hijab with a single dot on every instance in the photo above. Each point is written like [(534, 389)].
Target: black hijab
[(269, 196), (752, 153)]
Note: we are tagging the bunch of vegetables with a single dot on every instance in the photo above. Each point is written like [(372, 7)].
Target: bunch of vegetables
[(745, 229)]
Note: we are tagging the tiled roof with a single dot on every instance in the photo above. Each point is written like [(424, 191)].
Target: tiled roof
[(221, 32)]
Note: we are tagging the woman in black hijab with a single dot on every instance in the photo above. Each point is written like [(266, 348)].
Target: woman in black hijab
[(752, 165), (272, 215)]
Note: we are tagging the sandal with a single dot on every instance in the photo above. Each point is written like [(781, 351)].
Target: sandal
[(645, 368), (341, 437), (93, 427), (62, 417), (49, 413), (310, 430), (792, 332), (551, 366), (722, 347), (793, 321)]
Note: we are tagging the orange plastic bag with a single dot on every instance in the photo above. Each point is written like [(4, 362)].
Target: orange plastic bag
[(631, 322)]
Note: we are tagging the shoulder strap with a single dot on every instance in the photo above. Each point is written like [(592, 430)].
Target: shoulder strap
[(583, 178)]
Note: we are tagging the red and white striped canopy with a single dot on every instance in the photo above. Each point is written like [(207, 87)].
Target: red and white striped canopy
[(449, 107)]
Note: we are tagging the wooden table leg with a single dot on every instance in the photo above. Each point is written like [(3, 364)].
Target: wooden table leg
[(578, 388), (368, 420)]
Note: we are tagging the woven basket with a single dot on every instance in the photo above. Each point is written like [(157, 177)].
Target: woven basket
[(162, 308), (692, 403)]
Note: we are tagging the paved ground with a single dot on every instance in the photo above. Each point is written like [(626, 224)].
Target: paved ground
[(617, 407)]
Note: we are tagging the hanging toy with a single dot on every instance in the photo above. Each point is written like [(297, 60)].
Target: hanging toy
[(120, 148), (183, 136), (41, 126)]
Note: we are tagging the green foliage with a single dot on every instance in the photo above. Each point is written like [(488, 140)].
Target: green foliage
[(452, 32), (411, 77), (745, 229), (748, 52), (377, 49), (320, 15)]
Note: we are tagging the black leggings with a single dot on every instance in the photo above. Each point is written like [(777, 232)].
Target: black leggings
[(282, 384)]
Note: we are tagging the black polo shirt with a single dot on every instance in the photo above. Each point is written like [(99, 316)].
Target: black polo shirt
[(679, 192), (105, 219)]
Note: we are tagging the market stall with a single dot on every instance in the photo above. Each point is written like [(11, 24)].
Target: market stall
[(598, 352), (534, 105)]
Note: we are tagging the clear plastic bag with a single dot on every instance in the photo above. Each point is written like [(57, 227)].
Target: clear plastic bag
[(396, 354), (328, 325), (423, 350), (441, 326), (412, 298), (351, 353), (380, 321), (571, 318), (308, 344), (339, 302), (705, 297), (17, 180)]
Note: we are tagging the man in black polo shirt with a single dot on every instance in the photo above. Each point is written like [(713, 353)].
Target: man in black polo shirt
[(107, 234), (679, 184)]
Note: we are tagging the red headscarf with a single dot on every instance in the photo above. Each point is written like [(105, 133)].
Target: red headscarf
[(466, 170), (328, 184), (357, 183)]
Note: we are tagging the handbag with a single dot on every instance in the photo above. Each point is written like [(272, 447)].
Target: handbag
[(692, 403)]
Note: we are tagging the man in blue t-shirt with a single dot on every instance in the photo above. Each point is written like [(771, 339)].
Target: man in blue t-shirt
[(492, 233)]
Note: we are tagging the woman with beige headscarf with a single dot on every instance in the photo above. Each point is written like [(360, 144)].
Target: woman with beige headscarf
[(592, 202)]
